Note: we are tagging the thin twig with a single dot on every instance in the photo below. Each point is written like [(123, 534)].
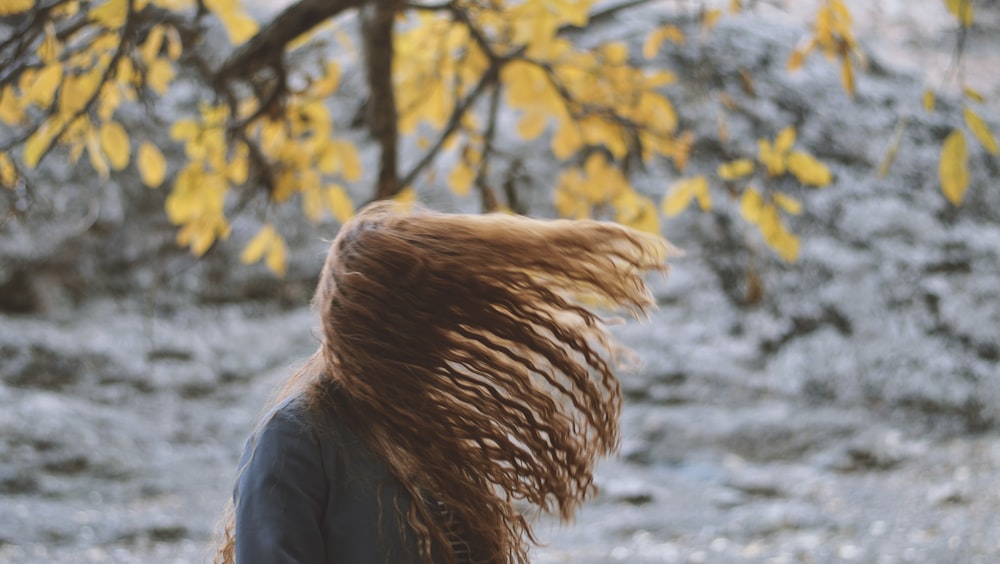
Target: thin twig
[(453, 122), (487, 197)]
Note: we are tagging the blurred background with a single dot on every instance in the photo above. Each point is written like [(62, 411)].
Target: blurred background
[(836, 404)]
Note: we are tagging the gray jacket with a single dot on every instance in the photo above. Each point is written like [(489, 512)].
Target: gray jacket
[(310, 491)]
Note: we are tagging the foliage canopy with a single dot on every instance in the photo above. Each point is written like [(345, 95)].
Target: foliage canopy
[(439, 73)]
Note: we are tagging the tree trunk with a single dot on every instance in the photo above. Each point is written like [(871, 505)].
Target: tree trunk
[(377, 26)]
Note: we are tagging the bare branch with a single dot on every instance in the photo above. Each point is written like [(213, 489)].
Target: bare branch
[(487, 197), (453, 122), (266, 48), (383, 117)]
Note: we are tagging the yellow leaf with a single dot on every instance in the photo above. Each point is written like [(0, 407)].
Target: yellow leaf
[(27, 79), (125, 73), (214, 115), (36, 145), (174, 43), (202, 233), (48, 49), (284, 186), (776, 235), (95, 153), (735, 6), (184, 202), (115, 144), (981, 131), (657, 109), (339, 202), (847, 75), (682, 149), (615, 53), (702, 195), (770, 158), (12, 7), (329, 82), (785, 139), (239, 26), (652, 44), (953, 168), (787, 203), (159, 75), (808, 170), (710, 18), (640, 214), (77, 90), (10, 109), (152, 165), (566, 140), (184, 129), (961, 9), (531, 125), (928, 100), (680, 194), (570, 205), (150, 49), (65, 10), (787, 245), (329, 161), (974, 94), (261, 242), (238, 168), (656, 38), (111, 14), (599, 131), (276, 257), (351, 170), (735, 169), (796, 59), (460, 179), (47, 81), (109, 100), (406, 197), (8, 174), (751, 205), (312, 201), (174, 5), (658, 78)]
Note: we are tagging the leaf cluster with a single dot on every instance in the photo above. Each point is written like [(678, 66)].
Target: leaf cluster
[(444, 74)]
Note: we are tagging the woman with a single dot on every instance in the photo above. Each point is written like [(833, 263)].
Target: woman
[(459, 383)]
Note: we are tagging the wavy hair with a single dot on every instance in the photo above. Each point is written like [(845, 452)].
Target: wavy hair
[(467, 352)]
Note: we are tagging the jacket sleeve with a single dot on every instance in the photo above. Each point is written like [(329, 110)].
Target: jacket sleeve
[(280, 495)]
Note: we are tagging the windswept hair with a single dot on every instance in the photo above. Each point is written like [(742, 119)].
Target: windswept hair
[(467, 353)]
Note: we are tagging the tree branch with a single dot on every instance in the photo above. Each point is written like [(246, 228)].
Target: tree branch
[(487, 197), (265, 48), (128, 29), (377, 30), (453, 122)]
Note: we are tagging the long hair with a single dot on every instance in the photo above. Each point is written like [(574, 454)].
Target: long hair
[(467, 354)]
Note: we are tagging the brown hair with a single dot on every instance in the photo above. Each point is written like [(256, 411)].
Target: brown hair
[(464, 355)]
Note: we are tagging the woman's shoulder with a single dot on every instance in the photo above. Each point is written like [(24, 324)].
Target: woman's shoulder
[(303, 412)]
